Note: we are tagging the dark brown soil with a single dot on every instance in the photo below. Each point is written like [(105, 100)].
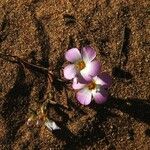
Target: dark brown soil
[(40, 31)]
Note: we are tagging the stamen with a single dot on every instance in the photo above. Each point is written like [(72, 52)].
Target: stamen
[(92, 85), (80, 65)]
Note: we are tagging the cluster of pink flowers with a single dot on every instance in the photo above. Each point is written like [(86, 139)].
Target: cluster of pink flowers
[(86, 74)]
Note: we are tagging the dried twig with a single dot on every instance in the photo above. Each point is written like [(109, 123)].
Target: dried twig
[(17, 60), (48, 98)]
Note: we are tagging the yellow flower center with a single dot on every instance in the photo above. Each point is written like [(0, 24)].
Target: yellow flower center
[(80, 65), (91, 85)]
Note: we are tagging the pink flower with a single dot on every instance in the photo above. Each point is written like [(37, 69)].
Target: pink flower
[(95, 89), (82, 64)]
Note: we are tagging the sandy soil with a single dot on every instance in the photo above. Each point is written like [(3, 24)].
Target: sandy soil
[(40, 31)]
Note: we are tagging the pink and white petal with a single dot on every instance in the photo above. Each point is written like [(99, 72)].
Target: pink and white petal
[(88, 54), (81, 79), (98, 80), (100, 97), (84, 96), (73, 55), (70, 72), (103, 79), (77, 85), (85, 75), (92, 69), (106, 79)]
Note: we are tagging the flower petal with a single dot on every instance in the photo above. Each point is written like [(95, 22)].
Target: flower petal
[(103, 79), (92, 69), (51, 125), (106, 79), (77, 85), (73, 55), (88, 54), (84, 96), (100, 97), (69, 72)]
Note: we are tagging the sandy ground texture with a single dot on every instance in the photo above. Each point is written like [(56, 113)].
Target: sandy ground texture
[(39, 32)]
